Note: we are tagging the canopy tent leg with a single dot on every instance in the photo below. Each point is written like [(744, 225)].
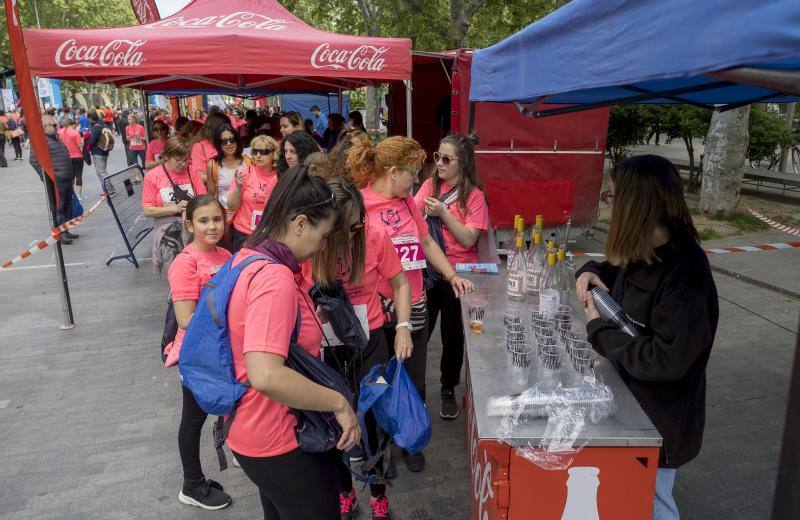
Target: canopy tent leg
[(340, 103), (146, 107), (409, 91), (66, 302)]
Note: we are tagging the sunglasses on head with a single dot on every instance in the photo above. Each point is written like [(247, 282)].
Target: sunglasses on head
[(261, 151), (329, 201), (228, 140), (446, 159), (358, 226)]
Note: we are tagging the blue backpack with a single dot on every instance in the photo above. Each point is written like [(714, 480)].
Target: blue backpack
[(206, 360)]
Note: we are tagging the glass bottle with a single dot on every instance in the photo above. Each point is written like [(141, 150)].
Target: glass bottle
[(563, 282), (549, 296), (534, 267), (516, 272)]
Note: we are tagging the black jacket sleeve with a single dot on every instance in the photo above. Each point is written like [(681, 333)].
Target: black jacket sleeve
[(682, 331), (36, 166), (94, 135), (606, 271)]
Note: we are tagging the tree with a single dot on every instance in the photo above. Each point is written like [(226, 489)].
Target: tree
[(768, 134), (627, 126), (723, 161), (687, 122)]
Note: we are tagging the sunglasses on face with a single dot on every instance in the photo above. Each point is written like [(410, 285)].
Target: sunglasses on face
[(261, 151), (607, 197), (228, 140), (446, 159), (160, 129)]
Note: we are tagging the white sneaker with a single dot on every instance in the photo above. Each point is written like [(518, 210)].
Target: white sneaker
[(236, 463)]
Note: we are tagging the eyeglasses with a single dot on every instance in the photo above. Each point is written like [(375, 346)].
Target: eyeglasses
[(330, 201), (446, 159), (228, 140), (261, 151), (159, 129), (180, 161), (607, 197)]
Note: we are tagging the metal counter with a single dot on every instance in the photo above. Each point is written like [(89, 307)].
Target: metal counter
[(489, 377)]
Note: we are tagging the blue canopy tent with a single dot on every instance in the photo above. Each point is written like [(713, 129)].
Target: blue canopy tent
[(593, 53)]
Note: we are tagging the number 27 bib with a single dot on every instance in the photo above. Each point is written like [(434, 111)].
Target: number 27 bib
[(410, 252)]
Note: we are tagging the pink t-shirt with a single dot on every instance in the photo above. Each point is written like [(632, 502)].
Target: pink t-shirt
[(257, 187), (381, 263), (202, 152), (157, 190), (154, 147), (261, 318), (189, 273), (477, 217), (136, 137), (73, 141), (402, 221)]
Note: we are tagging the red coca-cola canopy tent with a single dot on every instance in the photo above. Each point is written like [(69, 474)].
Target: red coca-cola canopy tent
[(233, 46)]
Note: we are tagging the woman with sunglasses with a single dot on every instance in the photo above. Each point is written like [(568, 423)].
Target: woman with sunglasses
[(156, 146), (251, 187), (294, 150), (388, 172), (347, 258), (264, 306), (221, 170), (166, 192), (454, 196), (203, 150)]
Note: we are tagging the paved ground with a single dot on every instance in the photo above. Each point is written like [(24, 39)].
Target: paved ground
[(89, 417)]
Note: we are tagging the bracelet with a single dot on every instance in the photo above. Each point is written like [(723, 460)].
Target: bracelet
[(404, 324)]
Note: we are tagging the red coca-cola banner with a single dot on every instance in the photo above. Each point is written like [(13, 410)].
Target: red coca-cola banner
[(237, 45), (30, 107), (146, 11)]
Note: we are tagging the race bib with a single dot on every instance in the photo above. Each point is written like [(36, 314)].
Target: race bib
[(214, 270), (157, 156), (361, 314), (410, 252), (255, 219), (136, 141), (168, 197)]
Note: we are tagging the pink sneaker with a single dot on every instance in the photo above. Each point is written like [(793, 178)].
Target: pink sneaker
[(380, 508), (348, 504)]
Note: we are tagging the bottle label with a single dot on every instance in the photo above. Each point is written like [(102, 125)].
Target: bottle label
[(548, 302), (533, 280), (514, 284)]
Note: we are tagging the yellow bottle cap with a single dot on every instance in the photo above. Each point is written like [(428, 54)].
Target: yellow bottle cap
[(551, 258), (562, 254), (520, 241)]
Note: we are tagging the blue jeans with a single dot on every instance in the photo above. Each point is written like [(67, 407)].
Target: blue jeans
[(664, 507)]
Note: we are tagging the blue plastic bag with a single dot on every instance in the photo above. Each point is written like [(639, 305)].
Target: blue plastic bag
[(387, 390)]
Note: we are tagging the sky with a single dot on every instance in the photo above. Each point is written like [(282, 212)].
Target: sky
[(170, 7)]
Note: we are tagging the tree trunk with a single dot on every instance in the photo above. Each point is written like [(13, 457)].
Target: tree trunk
[(723, 161)]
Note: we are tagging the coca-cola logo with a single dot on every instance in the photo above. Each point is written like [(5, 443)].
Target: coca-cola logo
[(116, 53), (237, 20), (144, 13), (364, 58)]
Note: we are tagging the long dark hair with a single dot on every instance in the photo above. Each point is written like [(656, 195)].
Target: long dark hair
[(218, 142), (297, 193), (200, 201), (303, 144), (340, 246), (648, 192), (213, 122), (465, 151)]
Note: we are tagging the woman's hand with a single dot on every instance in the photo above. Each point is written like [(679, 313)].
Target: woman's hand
[(461, 286), (180, 207), (403, 346), (240, 178), (434, 207), (321, 315), (590, 309), (582, 286), (351, 432)]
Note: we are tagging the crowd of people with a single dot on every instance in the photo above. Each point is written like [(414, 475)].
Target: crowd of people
[(335, 209)]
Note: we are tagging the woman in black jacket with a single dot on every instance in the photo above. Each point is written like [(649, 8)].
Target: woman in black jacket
[(661, 277)]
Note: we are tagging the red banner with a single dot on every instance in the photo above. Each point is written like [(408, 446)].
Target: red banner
[(33, 117), (145, 11)]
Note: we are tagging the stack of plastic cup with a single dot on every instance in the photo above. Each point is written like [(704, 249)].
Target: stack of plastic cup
[(520, 359)]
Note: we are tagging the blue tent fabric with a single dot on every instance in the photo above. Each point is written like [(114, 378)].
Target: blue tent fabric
[(594, 51)]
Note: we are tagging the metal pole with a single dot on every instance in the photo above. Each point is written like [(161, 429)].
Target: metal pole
[(146, 106), (66, 303), (409, 92), (783, 165)]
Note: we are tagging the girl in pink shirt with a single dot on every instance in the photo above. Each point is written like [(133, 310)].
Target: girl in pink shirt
[(454, 196), (360, 256), (251, 187), (204, 150), (388, 171), (262, 315), (188, 274), (156, 146), (72, 139), (137, 141)]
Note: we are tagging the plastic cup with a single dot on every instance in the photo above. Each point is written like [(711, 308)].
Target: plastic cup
[(550, 360), (583, 360), (563, 318), (512, 316), (519, 326), (477, 311), (520, 358)]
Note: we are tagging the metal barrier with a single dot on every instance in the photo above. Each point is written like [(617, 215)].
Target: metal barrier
[(125, 200)]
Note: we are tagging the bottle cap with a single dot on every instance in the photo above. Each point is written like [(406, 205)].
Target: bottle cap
[(551, 258), (520, 241)]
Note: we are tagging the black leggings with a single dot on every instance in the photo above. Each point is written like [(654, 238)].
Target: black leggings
[(296, 485), (17, 147), (77, 170), (192, 420), (441, 299), (375, 354)]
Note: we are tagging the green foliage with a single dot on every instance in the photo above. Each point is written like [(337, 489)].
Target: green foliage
[(65, 14), (627, 127), (744, 222), (768, 133), (709, 234)]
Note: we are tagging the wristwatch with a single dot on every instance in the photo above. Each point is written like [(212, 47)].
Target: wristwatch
[(405, 324)]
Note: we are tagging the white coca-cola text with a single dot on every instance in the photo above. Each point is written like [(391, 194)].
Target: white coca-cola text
[(116, 53), (143, 11), (364, 58), (237, 20)]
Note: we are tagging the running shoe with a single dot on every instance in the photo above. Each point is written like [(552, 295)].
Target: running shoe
[(356, 453), (449, 409), (380, 508), (208, 496), (415, 462), (348, 504)]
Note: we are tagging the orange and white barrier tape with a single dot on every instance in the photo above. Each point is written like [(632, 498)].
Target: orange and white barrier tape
[(777, 225), (723, 250), (55, 234)]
